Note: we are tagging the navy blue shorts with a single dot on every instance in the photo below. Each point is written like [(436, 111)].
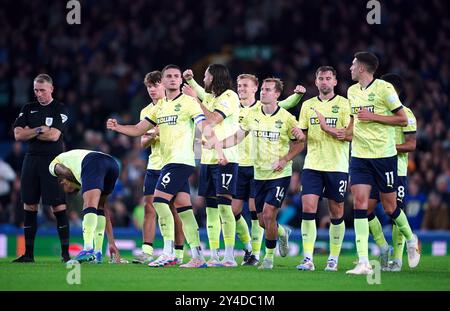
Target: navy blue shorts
[(174, 178), (217, 179), (402, 188), (245, 185), (271, 191), (99, 171), (150, 180), (331, 185), (381, 172)]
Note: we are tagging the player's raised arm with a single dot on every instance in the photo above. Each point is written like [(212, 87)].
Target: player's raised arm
[(293, 99), (131, 130), (188, 75)]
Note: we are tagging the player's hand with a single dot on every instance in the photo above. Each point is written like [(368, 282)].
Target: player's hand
[(114, 251), (153, 133), (298, 133), (207, 145), (221, 157), (320, 117), (341, 133), (300, 89), (188, 74), (111, 124), (189, 91), (279, 165), (365, 115)]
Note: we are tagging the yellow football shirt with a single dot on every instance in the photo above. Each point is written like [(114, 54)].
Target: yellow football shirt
[(271, 134), (72, 160), (325, 153), (154, 160), (400, 133), (176, 121), (373, 140), (246, 147), (227, 104)]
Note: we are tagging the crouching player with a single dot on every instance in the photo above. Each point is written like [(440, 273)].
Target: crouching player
[(95, 173)]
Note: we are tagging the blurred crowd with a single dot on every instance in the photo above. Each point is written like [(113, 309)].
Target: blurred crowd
[(99, 65)]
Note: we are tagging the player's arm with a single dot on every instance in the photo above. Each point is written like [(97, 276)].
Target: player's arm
[(213, 117), (208, 132), (295, 147), (409, 145), (150, 137), (294, 99), (340, 134), (399, 118), (63, 172), (188, 75), (130, 130)]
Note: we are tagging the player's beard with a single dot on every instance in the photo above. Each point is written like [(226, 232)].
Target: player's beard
[(208, 88), (325, 90)]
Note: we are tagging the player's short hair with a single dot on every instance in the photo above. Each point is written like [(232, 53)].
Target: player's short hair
[(42, 78), (248, 76), (278, 83), (171, 66), (395, 80), (221, 79), (153, 77), (325, 69), (369, 60)]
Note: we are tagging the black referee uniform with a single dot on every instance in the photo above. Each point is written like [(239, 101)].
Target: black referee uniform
[(36, 180)]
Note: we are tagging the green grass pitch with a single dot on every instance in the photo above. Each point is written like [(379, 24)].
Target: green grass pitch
[(47, 273)]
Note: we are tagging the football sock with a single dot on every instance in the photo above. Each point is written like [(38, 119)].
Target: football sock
[(362, 235), (212, 225), (100, 231), (398, 241), (402, 223), (228, 224), (166, 223), (337, 232), (309, 233), (243, 232), (147, 248), (89, 225), (377, 231), (270, 249), (190, 226), (257, 235)]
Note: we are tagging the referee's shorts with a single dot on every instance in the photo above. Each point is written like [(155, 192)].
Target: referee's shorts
[(37, 182)]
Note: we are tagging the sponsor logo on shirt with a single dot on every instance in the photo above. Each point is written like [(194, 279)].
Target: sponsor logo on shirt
[(329, 121), (357, 109), (271, 136), (171, 120)]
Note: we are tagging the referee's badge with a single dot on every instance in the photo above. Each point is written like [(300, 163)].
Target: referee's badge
[(48, 121)]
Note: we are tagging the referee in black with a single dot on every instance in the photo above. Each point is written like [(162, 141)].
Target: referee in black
[(41, 124)]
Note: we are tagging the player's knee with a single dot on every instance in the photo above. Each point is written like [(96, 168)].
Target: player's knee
[(268, 215), (360, 202), (309, 207)]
